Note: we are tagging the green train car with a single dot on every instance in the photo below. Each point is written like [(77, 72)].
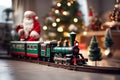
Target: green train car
[(33, 49), (18, 48)]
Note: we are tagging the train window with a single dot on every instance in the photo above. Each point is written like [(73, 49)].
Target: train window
[(13, 46), (48, 46), (31, 47), (28, 46), (35, 47), (44, 47)]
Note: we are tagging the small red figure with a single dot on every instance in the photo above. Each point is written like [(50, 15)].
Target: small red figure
[(29, 30)]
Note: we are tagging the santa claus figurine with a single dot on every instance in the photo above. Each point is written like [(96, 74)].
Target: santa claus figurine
[(29, 30)]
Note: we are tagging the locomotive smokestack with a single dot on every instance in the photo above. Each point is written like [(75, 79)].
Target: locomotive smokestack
[(72, 38)]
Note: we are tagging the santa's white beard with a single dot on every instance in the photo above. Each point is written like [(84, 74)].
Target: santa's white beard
[(27, 26)]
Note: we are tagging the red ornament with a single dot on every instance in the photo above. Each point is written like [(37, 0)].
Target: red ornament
[(50, 13), (62, 11), (79, 14)]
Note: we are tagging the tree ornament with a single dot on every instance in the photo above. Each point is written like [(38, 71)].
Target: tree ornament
[(79, 14)]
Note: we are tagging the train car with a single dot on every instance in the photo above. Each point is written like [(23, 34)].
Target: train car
[(18, 48), (46, 51), (33, 49)]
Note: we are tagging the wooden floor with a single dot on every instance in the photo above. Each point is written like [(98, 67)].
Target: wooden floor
[(19, 70)]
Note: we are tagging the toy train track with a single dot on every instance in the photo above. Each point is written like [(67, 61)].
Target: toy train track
[(63, 54), (85, 68)]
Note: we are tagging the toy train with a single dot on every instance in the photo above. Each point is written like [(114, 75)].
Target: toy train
[(49, 51)]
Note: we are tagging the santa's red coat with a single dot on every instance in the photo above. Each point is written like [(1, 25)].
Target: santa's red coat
[(34, 34)]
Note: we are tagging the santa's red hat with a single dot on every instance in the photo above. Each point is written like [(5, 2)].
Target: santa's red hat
[(31, 14)]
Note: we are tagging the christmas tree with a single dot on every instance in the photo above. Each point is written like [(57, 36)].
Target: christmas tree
[(108, 42), (115, 16), (108, 39), (95, 54), (63, 18)]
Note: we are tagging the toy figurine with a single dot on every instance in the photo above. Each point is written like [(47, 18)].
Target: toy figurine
[(29, 30)]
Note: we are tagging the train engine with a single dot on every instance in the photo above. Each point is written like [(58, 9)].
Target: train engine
[(69, 55)]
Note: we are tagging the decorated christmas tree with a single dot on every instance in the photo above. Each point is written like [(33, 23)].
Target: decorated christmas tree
[(64, 17), (115, 16), (95, 53)]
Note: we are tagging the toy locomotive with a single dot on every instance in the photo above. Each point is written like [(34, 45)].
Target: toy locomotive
[(49, 51)]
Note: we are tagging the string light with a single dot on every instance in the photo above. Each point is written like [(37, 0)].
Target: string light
[(60, 29), (65, 13), (58, 20), (75, 20), (85, 33), (69, 4), (58, 4), (44, 27), (66, 34), (56, 11), (54, 24)]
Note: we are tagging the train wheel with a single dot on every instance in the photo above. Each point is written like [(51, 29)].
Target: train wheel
[(48, 59), (56, 62), (64, 63), (55, 59)]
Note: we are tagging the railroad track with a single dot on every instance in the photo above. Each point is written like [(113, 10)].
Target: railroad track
[(85, 68)]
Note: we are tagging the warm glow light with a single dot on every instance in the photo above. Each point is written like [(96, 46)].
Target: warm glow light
[(107, 52), (69, 4), (54, 24), (58, 4), (60, 29), (75, 20), (72, 27), (65, 13), (52, 34), (58, 20), (56, 11), (44, 27), (66, 34), (53, 9), (84, 33)]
